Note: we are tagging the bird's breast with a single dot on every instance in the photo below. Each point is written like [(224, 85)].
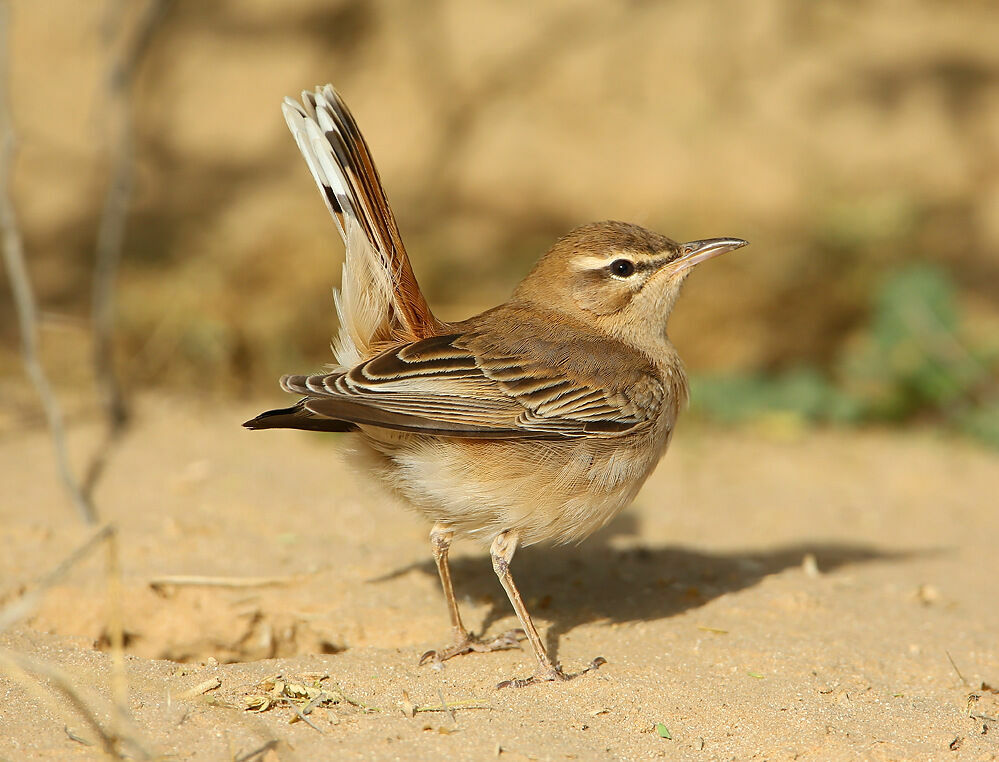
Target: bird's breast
[(550, 491)]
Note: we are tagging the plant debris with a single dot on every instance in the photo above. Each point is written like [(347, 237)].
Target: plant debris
[(74, 737), (663, 732), (200, 689), (810, 566), (302, 695), (411, 710), (973, 698)]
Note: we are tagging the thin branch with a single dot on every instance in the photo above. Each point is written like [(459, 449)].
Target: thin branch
[(196, 580), (19, 669), (23, 606), (116, 634), (121, 727), (24, 298), (954, 665), (257, 752), (200, 689), (111, 232)]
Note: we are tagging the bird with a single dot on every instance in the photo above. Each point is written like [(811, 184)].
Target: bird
[(536, 421)]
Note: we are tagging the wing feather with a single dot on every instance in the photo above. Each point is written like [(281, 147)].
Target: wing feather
[(438, 386)]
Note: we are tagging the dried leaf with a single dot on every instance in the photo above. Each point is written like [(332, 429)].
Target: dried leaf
[(257, 703), (407, 706)]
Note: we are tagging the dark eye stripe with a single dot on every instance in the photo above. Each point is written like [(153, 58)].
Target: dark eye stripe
[(653, 264), (646, 266), (639, 265)]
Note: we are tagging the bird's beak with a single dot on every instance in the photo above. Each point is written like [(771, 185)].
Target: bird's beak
[(694, 252)]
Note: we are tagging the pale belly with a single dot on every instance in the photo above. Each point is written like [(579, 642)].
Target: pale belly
[(547, 491)]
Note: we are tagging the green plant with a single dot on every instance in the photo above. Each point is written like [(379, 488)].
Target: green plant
[(910, 361)]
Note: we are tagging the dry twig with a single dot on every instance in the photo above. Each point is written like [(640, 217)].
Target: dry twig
[(200, 689), (111, 232), (257, 752), (20, 669), (24, 298), (116, 632), (196, 580), (954, 665), (23, 606)]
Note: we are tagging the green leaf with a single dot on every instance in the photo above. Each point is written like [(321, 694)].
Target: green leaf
[(663, 731), (982, 422)]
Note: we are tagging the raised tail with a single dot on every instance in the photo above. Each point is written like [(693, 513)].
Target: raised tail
[(379, 301)]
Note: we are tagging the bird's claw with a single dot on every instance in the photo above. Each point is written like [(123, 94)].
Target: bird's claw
[(551, 674), (471, 644)]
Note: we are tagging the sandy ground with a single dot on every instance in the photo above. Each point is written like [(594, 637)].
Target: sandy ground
[(702, 597)]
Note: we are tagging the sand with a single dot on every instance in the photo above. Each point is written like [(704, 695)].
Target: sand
[(772, 594)]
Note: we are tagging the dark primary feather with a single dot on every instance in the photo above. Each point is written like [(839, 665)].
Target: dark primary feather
[(297, 417)]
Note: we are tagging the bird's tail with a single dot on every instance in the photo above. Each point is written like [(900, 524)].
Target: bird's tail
[(379, 301)]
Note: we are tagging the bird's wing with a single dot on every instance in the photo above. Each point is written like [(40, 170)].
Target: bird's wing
[(379, 300), (442, 386)]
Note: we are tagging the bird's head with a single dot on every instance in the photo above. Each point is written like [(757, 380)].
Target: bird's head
[(620, 277)]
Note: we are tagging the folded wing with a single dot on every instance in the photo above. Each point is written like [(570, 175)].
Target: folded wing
[(440, 386)]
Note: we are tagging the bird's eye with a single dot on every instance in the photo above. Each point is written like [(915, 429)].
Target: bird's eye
[(622, 268)]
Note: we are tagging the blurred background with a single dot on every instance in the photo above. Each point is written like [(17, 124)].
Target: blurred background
[(855, 144)]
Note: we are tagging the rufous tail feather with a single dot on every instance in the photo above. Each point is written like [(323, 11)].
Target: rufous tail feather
[(379, 301)]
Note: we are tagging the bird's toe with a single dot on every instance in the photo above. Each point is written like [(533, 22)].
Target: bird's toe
[(472, 644), (550, 674)]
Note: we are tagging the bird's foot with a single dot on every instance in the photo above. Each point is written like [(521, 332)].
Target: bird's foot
[(470, 643), (551, 674)]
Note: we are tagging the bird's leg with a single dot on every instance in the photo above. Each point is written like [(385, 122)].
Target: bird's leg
[(464, 641), (440, 540), (502, 550)]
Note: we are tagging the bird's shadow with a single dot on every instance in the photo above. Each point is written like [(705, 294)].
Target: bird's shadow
[(598, 581)]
